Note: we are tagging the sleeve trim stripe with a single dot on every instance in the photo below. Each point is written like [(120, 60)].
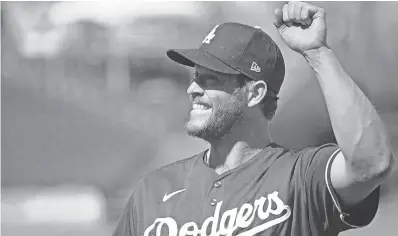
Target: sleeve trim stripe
[(332, 192)]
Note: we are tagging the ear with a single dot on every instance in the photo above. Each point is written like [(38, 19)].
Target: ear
[(257, 93)]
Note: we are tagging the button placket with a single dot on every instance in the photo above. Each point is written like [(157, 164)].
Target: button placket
[(213, 202), (216, 185)]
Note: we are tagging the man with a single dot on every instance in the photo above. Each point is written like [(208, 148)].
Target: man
[(245, 184)]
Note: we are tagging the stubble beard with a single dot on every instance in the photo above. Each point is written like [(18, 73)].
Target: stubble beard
[(220, 123)]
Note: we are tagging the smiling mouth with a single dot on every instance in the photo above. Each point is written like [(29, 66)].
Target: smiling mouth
[(200, 107)]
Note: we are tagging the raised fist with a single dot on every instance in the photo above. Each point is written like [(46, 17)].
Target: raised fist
[(301, 25)]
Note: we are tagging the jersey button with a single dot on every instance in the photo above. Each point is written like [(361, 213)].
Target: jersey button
[(217, 184), (213, 202)]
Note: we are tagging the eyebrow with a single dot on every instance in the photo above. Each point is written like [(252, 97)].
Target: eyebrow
[(196, 74)]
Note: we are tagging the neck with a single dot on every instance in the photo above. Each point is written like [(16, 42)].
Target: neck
[(238, 146)]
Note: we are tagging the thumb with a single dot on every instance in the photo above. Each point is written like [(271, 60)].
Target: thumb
[(278, 18)]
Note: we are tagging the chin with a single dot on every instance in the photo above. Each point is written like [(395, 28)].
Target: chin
[(203, 130), (195, 125), (212, 126), (196, 128)]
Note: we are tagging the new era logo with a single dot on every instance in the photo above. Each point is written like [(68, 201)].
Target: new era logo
[(255, 67)]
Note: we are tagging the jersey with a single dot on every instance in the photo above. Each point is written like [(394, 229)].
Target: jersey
[(277, 192)]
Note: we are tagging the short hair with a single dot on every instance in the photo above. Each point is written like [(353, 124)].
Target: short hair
[(269, 104)]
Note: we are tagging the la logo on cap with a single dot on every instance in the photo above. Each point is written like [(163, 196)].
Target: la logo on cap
[(255, 67), (210, 36)]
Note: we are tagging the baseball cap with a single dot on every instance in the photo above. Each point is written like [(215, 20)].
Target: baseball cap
[(235, 48)]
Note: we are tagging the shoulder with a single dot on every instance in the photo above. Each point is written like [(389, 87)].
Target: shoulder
[(305, 160), (303, 155), (310, 154), (314, 150)]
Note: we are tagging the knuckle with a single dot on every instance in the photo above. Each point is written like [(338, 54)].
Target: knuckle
[(299, 10), (284, 8), (304, 11), (322, 12), (291, 10)]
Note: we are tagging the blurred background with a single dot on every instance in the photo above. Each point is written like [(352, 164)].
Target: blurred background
[(90, 103)]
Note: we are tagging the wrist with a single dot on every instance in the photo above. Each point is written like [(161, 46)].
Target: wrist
[(315, 51), (318, 57)]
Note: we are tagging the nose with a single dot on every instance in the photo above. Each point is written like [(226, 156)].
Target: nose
[(194, 90)]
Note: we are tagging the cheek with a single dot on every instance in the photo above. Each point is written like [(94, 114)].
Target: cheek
[(226, 99), (217, 97), (221, 88)]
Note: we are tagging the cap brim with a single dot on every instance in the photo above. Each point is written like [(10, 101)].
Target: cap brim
[(192, 57)]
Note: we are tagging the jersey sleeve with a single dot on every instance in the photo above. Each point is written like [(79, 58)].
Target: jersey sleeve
[(127, 221), (322, 200)]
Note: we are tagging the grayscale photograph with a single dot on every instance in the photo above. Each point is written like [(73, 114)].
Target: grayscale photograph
[(200, 118)]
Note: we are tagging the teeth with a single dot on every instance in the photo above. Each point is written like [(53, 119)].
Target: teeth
[(199, 106)]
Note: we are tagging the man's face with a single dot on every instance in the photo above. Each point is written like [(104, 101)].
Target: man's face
[(217, 104)]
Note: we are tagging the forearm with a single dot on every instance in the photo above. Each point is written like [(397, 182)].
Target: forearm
[(359, 131)]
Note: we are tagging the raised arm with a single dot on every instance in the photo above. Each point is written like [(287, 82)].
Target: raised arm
[(366, 158)]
